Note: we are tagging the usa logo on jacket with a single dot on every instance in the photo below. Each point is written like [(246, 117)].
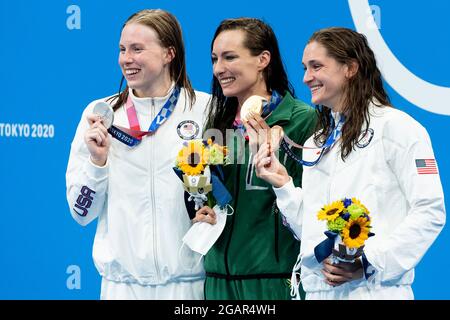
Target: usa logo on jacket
[(364, 138), (188, 129)]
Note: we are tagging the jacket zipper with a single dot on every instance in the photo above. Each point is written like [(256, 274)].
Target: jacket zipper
[(331, 174), (334, 154), (276, 216), (236, 193), (152, 196)]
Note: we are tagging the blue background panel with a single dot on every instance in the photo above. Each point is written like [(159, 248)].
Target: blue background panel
[(51, 72)]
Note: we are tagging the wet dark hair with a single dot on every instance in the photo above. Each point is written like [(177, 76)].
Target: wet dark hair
[(259, 37), (366, 86)]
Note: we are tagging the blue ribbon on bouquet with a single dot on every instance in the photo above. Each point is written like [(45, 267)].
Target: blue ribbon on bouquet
[(179, 173), (324, 249), (369, 270), (220, 192)]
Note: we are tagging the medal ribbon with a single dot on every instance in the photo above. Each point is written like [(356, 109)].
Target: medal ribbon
[(133, 135), (268, 108), (332, 138)]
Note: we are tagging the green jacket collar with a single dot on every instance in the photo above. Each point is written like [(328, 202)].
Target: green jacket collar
[(284, 110)]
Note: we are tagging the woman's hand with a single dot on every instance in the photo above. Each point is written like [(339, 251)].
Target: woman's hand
[(97, 140), (269, 168), (205, 214), (338, 274), (258, 131)]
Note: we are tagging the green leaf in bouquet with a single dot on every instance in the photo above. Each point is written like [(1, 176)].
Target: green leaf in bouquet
[(336, 225), (355, 211)]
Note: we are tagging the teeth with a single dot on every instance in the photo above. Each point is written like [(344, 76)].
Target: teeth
[(129, 72), (315, 88), (227, 80)]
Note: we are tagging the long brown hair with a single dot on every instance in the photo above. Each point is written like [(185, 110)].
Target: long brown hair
[(366, 86), (259, 36), (169, 32)]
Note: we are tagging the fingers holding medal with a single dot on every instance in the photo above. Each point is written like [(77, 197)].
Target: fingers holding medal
[(96, 137), (105, 112), (256, 126), (253, 105)]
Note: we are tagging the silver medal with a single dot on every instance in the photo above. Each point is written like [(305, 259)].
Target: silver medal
[(105, 111)]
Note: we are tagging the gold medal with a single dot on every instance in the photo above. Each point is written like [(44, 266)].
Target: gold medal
[(252, 105)]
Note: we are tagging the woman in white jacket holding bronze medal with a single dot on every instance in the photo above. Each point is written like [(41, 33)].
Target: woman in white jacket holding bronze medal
[(363, 149)]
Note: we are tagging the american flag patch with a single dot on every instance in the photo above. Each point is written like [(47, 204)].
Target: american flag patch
[(426, 166)]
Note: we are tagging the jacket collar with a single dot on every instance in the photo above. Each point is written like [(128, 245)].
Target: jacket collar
[(284, 110)]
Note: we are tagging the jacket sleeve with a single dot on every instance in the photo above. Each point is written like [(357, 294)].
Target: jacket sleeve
[(406, 146), (86, 183), (289, 201)]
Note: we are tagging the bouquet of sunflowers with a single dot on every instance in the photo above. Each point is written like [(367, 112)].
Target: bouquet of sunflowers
[(198, 165), (348, 224)]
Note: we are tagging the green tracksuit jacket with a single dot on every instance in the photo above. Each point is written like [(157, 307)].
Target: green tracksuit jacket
[(254, 256)]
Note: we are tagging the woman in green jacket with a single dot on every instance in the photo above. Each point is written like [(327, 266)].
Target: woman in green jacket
[(254, 256)]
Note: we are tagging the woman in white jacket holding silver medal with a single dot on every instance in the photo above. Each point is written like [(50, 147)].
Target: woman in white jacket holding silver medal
[(120, 166), (366, 149)]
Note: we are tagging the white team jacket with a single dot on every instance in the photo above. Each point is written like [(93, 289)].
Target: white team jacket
[(137, 197), (407, 208)]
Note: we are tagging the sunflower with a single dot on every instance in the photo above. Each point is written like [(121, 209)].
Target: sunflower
[(357, 202), (356, 232), (193, 158), (331, 211)]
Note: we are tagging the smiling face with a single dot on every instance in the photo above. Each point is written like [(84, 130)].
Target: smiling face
[(237, 70), (325, 76), (144, 62)]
